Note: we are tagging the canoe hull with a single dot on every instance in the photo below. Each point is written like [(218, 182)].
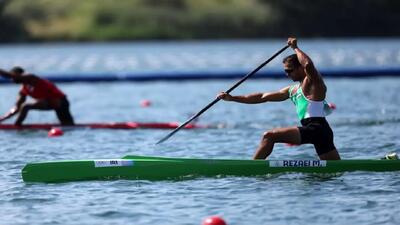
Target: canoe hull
[(122, 125), (158, 168)]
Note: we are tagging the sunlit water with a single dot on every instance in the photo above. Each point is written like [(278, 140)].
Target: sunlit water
[(366, 125), (200, 58)]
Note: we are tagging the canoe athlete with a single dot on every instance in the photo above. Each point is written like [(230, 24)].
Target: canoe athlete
[(46, 94), (309, 98)]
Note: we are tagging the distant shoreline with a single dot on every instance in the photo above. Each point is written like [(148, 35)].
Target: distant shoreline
[(109, 21)]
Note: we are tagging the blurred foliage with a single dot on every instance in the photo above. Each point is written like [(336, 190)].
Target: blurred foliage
[(11, 26), (104, 20)]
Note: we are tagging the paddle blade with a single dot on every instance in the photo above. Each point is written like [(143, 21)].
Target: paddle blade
[(164, 138), (188, 121)]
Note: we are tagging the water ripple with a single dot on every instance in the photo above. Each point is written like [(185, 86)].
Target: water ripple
[(361, 131)]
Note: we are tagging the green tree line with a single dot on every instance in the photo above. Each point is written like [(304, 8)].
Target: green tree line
[(111, 20)]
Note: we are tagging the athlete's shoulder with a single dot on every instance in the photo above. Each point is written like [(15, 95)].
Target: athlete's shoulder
[(32, 78)]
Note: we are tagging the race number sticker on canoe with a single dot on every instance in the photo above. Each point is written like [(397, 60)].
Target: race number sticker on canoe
[(297, 163), (113, 162)]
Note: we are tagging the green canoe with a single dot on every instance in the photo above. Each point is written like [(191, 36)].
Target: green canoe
[(160, 168)]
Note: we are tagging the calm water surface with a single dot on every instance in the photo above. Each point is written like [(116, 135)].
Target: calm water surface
[(366, 125), (122, 59)]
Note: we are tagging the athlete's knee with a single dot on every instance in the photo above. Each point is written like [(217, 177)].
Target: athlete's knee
[(269, 135)]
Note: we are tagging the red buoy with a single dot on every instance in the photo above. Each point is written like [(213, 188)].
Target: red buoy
[(332, 106), (214, 220), (55, 132), (145, 103)]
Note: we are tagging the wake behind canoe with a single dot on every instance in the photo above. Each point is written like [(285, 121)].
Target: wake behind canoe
[(160, 168)]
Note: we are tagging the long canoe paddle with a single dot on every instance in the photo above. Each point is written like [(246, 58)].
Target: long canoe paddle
[(228, 91)]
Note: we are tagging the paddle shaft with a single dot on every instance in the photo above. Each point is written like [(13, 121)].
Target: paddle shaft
[(228, 91)]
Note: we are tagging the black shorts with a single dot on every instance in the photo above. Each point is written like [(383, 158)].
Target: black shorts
[(317, 131)]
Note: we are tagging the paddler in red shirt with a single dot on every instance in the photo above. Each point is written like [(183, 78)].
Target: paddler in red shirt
[(46, 94)]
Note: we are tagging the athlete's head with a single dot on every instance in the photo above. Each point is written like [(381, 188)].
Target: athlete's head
[(16, 73), (293, 68)]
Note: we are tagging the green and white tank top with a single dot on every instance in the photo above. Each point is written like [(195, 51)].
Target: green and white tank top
[(307, 108)]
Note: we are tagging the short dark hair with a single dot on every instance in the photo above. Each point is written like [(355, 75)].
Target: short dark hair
[(17, 69), (292, 59)]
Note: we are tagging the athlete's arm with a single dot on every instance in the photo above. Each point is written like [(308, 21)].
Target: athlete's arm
[(5, 74), (21, 99), (304, 60), (256, 98)]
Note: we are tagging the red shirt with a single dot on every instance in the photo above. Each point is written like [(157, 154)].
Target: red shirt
[(42, 89)]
